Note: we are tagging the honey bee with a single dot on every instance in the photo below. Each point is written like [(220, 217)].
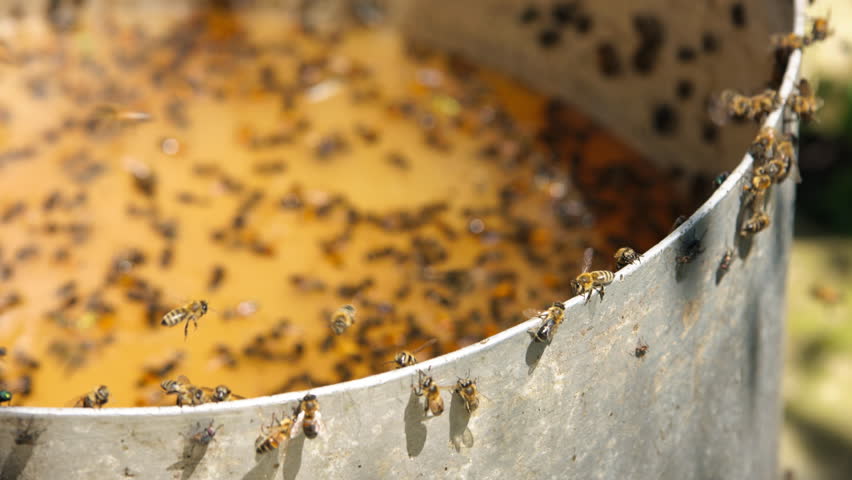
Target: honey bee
[(406, 358), (786, 153), (205, 435), (5, 396), (641, 349), (342, 319), (788, 42), (551, 319), (763, 145), (804, 103), (275, 435), (727, 258), (588, 282), (223, 394), (819, 30), (469, 393), (625, 256), (760, 182), (762, 104), (729, 104), (757, 223), (190, 312), (309, 416), (187, 393), (95, 399), (427, 386), (106, 119)]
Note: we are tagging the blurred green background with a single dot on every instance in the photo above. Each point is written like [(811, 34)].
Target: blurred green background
[(817, 438)]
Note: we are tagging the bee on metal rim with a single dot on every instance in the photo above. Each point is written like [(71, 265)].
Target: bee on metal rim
[(309, 417), (785, 152), (426, 386), (588, 282), (466, 389), (727, 259), (550, 321), (691, 249), (190, 312), (95, 399), (187, 393), (757, 223), (275, 435), (406, 358), (804, 102), (625, 256), (763, 146), (641, 348), (5, 397), (788, 42), (342, 318), (205, 435), (223, 394)]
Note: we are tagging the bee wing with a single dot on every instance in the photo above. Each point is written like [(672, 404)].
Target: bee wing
[(297, 425), (183, 380), (421, 347), (534, 313), (587, 258), (76, 401)]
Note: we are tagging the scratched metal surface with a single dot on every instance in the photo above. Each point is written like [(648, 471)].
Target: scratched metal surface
[(703, 403)]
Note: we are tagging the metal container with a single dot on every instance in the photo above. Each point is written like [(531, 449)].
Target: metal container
[(702, 403)]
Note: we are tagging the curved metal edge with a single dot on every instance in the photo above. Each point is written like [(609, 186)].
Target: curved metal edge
[(731, 183)]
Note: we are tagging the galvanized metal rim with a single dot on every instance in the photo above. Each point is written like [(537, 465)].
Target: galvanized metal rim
[(731, 183)]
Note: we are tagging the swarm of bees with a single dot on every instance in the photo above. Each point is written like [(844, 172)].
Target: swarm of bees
[(97, 398), (188, 394), (190, 312), (734, 105), (819, 31), (588, 282), (342, 318), (774, 159)]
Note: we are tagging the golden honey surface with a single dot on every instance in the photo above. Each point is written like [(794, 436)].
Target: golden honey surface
[(281, 174)]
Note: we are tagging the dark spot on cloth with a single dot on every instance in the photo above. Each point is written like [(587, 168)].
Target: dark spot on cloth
[(686, 54), (709, 132), (529, 15), (548, 38), (684, 89), (609, 62), (709, 42), (564, 12), (583, 23), (664, 119), (738, 15)]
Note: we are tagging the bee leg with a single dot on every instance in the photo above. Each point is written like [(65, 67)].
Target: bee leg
[(588, 296), (601, 292), (186, 330)]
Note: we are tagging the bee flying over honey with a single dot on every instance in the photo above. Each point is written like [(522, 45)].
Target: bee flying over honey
[(804, 102), (95, 399), (342, 318), (406, 358), (108, 119), (625, 256), (427, 386), (550, 321), (274, 435), (309, 416), (757, 223), (469, 393), (5, 397), (588, 282), (190, 312)]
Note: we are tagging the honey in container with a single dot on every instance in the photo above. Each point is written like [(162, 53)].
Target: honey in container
[(163, 158)]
